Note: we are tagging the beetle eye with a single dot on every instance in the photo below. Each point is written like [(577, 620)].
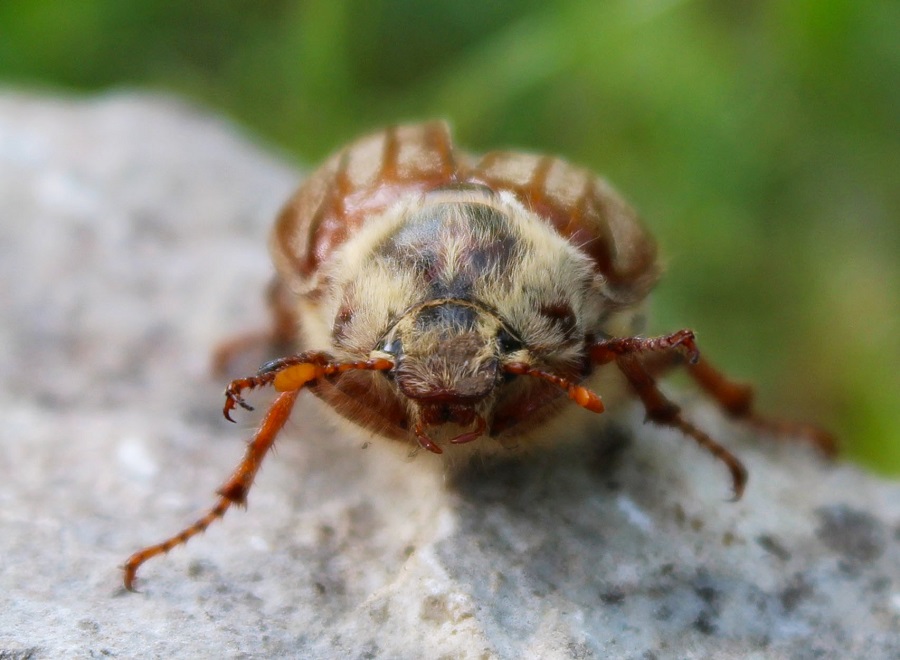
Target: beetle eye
[(392, 347), (508, 343)]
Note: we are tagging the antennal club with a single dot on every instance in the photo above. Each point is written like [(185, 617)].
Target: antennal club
[(581, 395)]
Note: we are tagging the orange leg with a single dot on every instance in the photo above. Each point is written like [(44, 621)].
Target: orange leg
[(660, 354), (629, 354), (640, 359), (233, 491), (677, 346), (661, 410), (288, 376), (266, 375)]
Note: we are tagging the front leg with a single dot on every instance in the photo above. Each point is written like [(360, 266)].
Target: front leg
[(288, 376), (629, 354), (233, 491), (661, 354), (678, 346), (268, 374), (641, 359)]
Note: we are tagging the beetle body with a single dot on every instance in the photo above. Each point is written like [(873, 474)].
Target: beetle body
[(403, 247), (461, 304)]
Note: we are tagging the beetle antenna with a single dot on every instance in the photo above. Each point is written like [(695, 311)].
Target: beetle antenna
[(579, 394)]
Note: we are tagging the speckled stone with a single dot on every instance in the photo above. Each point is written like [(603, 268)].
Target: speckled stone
[(132, 239)]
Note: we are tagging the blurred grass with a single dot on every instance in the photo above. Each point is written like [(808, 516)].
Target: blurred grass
[(760, 140)]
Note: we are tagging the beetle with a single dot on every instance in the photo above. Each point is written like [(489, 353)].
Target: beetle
[(465, 303)]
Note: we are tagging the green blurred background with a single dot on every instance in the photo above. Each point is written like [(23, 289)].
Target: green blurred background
[(760, 141)]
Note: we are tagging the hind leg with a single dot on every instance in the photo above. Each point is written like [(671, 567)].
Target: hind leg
[(736, 399), (630, 353), (641, 360), (661, 354)]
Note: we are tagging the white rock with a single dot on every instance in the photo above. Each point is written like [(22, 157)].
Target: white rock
[(132, 238)]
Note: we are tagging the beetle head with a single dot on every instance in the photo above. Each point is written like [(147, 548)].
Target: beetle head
[(447, 355)]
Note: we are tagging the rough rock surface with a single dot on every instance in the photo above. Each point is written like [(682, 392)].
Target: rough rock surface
[(132, 239)]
